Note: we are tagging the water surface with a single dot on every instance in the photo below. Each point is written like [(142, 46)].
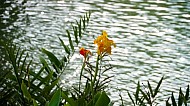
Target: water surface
[(152, 37)]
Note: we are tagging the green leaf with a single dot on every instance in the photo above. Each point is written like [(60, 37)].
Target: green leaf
[(69, 100), (167, 103), (46, 80), (137, 92), (98, 94), (186, 97), (43, 61), (173, 100), (81, 101), (180, 98), (80, 29), (20, 57), (34, 102), (55, 100), (157, 88), (52, 57), (150, 89), (67, 50), (38, 98), (187, 93), (103, 100), (33, 88), (145, 96), (47, 89), (36, 75), (131, 98), (87, 89), (23, 63), (89, 14), (64, 59), (84, 23), (75, 34), (67, 104), (87, 18), (70, 40), (25, 91), (47, 103)]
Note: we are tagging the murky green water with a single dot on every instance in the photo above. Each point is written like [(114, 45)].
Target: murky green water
[(152, 37)]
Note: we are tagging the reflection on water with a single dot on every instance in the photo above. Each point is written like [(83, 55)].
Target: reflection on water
[(153, 39)]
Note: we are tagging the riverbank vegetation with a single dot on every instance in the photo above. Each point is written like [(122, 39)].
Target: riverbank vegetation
[(20, 85)]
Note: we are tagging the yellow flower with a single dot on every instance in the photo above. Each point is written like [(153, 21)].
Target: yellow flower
[(104, 44)]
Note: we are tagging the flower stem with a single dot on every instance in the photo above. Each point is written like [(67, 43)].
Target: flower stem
[(83, 65), (95, 75)]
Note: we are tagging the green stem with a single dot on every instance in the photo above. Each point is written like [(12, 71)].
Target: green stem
[(83, 65), (95, 75)]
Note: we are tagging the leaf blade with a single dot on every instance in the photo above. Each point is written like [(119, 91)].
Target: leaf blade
[(51, 57), (67, 50), (55, 100), (25, 91), (70, 40), (103, 100)]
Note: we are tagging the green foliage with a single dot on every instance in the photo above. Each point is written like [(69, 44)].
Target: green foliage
[(25, 91), (22, 86), (143, 97), (67, 50), (55, 100), (182, 99), (103, 99), (52, 58), (91, 94)]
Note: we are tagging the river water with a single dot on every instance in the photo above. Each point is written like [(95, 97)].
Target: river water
[(152, 38)]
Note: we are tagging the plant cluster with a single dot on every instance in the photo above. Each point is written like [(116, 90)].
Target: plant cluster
[(146, 95), (22, 86)]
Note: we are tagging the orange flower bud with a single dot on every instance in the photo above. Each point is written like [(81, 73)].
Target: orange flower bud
[(84, 52)]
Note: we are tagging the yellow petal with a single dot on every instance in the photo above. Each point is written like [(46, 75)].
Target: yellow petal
[(104, 33)]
